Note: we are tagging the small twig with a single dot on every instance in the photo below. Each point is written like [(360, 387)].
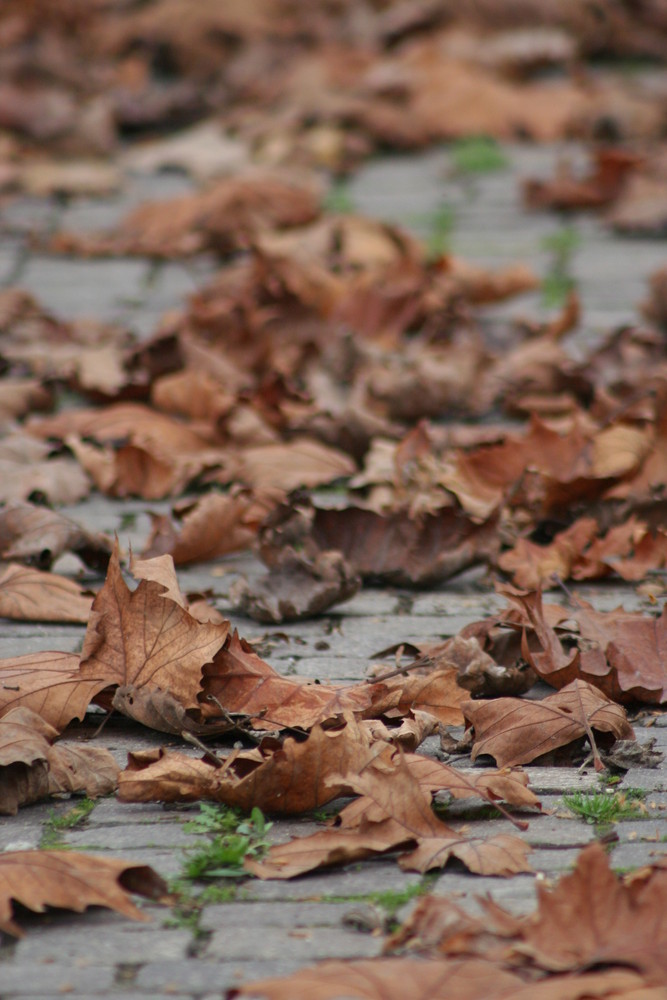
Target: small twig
[(101, 725), (566, 590), (196, 742)]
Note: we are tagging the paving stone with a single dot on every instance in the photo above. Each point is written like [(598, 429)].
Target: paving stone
[(18, 979), (372, 876), (101, 289), (100, 938), (192, 977), (303, 944), (517, 894), (135, 837), (273, 914)]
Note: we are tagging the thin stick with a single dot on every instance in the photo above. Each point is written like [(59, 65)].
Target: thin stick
[(196, 742)]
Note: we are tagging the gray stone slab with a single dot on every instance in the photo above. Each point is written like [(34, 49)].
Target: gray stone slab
[(362, 879), (517, 893), (100, 937), (101, 289), (53, 978), (273, 914), (192, 977), (137, 836), (302, 944)]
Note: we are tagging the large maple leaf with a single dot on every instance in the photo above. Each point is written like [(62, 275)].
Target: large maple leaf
[(145, 638)]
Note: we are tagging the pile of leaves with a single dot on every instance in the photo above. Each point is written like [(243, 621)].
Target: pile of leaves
[(334, 400)]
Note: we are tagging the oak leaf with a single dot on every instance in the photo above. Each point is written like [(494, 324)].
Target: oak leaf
[(72, 881), (515, 731)]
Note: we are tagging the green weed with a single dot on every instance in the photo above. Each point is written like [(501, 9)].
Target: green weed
[(56, 824), (441, 224), (338, 200), (392, 899), (231, 839), (477, 154), (558, 282), (602, 808)]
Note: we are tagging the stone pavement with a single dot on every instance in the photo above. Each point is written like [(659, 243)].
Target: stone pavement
[(276, 927)]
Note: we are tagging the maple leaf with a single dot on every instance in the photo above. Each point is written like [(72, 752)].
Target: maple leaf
[(72, 881), (212, 527), (591, 918), (394, 812), (514, 731), (242, 682), (388, 979), (291, 779), (147, 639), (622, 653), (50, 684), (31, 768)]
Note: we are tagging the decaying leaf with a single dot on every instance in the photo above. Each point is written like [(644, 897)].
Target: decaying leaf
[(394, 813), (146, 638), (515, 732), (242, 682), (292, 779), (296, 587), (37, 536), (31, 768), (72, 881)]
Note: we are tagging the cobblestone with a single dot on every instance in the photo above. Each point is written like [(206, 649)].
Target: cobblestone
[(272, 928)]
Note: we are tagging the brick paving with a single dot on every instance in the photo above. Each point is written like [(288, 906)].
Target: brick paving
[(277, 927)]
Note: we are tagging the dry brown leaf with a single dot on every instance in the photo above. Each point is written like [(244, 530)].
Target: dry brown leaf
[(72, 881), (297, 463), (395, 549), (437, 693), (394, 812), (27, 594), (28, 468), (48, 683), (516, 732), (289, 780), (296, 587), (225, 217), (242, 682), (32, 769), (390, 979), (38, 536), (620, 652), (145, 638), (615, 924)]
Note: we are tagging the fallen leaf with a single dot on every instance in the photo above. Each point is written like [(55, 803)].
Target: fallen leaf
[(242, 682), (516, 732), (395, 549), (72, 881), (387, 979), (145, 638), (616, 924), (48, 683), (296, 587), (27, 594), (32, 769), (37, 536), (286, 781)]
